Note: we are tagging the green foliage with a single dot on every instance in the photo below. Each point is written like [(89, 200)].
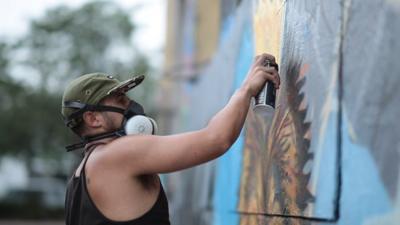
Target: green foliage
[(66, 43), (4, 61), (63, 44), (30, 121)]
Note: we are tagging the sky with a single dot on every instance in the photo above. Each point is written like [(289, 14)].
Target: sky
[(16, 14)]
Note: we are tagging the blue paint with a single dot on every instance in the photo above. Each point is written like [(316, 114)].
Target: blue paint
[(229, 166), (226, 191), (226, 29), (363, 194), (327, 181), (246, 56)]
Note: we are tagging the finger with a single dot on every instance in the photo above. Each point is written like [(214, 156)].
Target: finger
[(271, 78), (268, 63), (259, 59), (273, 64), (278, 78), (268, 69), (275, 75), (262, 58), (269, 57)]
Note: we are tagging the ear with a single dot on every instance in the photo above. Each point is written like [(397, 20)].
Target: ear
[(92, 119)]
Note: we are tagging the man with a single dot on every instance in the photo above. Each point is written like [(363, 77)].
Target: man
[(117, 181)]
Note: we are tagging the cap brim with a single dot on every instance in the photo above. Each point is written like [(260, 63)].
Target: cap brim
[(127, 85)]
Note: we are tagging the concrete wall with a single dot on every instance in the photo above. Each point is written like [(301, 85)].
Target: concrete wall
[(330, 154)]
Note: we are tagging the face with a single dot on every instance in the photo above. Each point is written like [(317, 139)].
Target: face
[(113, 120), (100, 122)]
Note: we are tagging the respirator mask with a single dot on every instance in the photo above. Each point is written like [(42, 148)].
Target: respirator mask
[(135, 122), (84, 93)]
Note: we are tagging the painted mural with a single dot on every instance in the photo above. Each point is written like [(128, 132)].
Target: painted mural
[(267, 20), (331, 153), (286, 152)]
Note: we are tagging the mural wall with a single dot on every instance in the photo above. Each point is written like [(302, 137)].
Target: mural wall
[(296, 152), (330, 154)]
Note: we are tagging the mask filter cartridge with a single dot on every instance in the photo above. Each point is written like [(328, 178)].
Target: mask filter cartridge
[(141, 125)]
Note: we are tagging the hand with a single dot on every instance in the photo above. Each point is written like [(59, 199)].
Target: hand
[(259, 73)]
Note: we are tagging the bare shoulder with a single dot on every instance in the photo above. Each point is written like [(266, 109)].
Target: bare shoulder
[(115, 153), (103, 157), (108, 161), (120, 155)]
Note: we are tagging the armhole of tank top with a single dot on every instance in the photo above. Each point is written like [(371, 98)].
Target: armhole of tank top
[(74, 176)]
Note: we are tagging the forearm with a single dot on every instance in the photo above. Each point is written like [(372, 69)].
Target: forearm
[(224, 128), (228, 122)]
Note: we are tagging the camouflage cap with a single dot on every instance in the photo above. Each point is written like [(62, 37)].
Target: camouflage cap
[(90, 89)]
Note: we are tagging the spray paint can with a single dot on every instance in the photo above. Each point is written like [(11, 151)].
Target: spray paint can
[(265, 100)]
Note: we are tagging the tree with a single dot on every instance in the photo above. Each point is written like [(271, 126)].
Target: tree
[(61, 45), (67, 42)]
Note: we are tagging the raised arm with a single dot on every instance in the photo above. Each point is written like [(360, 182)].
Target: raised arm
[(159, 154)]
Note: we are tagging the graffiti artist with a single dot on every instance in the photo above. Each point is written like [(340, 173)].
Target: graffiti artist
[(117, 181)]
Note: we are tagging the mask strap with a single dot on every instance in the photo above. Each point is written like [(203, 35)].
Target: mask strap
[(86, 140), (137, 110), (85, 107)]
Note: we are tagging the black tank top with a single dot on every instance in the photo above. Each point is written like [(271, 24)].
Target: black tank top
[(80, 209)]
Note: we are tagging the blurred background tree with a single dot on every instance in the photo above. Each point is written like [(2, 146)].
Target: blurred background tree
[(68, 42), (60, 46)]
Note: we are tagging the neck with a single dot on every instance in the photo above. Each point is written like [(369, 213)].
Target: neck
[(103, 138)]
